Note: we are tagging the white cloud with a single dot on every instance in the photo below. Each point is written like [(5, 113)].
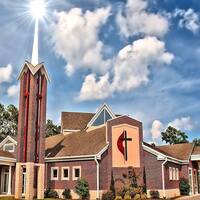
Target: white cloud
[(156, 129), (6, 73), (133, 61), (95, 89), (131, 69), (189, 19), (13, 90), (75, 38), (137, 20), (183, 123)]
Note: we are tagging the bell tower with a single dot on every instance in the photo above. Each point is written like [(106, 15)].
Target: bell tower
[(31, 131)]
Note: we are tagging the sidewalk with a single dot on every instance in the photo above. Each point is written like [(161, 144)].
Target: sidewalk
[(194, 197)]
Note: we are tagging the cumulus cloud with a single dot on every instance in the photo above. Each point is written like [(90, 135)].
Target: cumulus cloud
[(75, 38), (13, 90), (6, 73), (135, 19), (156, 129), (183, 123), (95, 89), (189, 19), (131, 69), (133, 61)]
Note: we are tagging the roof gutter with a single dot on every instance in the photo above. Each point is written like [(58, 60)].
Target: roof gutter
[(163, 177)]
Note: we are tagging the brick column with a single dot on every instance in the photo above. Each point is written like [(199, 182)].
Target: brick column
[(40, 178), (29, 181), (18, 181)]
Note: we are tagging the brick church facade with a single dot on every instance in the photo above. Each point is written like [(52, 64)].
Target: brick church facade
[(91, 145)]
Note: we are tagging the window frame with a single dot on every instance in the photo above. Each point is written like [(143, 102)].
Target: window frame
[(52, 169), (177, 174), (8, 144), (170, 173), (76, 167), (62, 173)]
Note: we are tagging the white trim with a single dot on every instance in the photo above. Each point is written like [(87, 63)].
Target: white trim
[(73, 172), (62, 173), (195, 157), (98, 183), (52, 169), (7, 139), (163, 177), (7, 159), (101, 108), (161, 156), (189, 168), (8, 144)]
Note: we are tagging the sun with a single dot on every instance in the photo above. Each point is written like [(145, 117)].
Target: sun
[(37, 9)]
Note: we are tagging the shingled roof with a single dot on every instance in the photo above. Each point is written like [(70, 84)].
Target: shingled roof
[(178, 151), (75, 120), (196, 150), (76, 144)]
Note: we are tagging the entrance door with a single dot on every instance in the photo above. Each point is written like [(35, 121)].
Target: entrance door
[(5, 178)]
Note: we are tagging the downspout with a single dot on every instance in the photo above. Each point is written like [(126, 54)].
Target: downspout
[(98, 196), (163, 178)]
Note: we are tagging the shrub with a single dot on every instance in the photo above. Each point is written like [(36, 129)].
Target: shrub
[(184, 186), (108, 196), (82, 188), (154, 194), (127, 197), (112, 184), (143, 196), (67, 193), (118, 197), (137, 197), (49, 193)]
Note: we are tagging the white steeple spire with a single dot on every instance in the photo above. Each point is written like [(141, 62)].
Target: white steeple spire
[(34, 59)]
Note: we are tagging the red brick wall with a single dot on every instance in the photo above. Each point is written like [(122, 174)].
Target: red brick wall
[(88, 171)]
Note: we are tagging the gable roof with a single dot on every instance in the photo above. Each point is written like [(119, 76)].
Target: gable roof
[(75, 120), (177, 151), (80, 143), (101, 108), (196, 150), (13, 140), (34, 69)]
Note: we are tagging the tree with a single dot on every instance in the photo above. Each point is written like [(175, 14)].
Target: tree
[(112, 184), (174, 136), (82, 188), (196, 142), (51, 128), (8, 120)]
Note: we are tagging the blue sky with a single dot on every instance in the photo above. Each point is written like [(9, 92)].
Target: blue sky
[(141, 57)]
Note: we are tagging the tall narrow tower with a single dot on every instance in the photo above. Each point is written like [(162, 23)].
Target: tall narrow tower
[(31, 131)]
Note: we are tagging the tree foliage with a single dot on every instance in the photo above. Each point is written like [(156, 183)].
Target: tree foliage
[(82, 188), (51, 128), (8, 120), (174, 136), (196, 141)]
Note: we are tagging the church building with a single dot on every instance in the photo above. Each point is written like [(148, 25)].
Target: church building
[(95, 146)]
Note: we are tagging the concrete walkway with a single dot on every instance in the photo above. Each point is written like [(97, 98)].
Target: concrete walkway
[(195, 197)]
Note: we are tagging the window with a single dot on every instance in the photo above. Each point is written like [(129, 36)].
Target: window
[(173, 173), (103, 117), (76, 172), (9, 147), (170, 174), (54, 173), (177, 174), (65, 173)]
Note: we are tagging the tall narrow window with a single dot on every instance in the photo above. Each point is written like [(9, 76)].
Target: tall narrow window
[(170, 174)]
